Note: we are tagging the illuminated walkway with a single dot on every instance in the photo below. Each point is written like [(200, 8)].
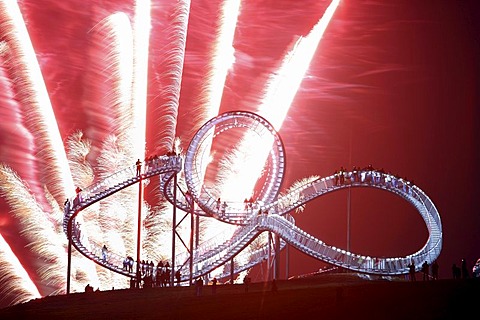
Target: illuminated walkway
[(214, 253)]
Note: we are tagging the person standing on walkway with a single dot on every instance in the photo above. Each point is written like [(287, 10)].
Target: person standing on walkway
[(425, 269), (411, 271), (214, 285), (104, 253), (139, 167)]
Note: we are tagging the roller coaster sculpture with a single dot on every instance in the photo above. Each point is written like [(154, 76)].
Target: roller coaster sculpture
[(276, 219)]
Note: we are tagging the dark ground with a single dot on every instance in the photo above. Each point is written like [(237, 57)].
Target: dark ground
[(336, 296)]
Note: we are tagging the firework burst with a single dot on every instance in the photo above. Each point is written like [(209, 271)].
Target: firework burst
[(117, 103)]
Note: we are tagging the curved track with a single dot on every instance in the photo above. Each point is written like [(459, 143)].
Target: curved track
[(214, 253)]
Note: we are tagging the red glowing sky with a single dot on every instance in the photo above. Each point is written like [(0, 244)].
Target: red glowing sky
[(394, 84)]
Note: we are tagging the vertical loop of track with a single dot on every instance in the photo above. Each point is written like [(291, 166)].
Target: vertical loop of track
[(199, 149)]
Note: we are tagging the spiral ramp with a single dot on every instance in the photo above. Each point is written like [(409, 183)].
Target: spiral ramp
[(275, 208)]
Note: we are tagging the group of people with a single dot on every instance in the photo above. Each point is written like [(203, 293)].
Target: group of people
[(342, 176), (150, 275), (154, 161), (249, 204), (221, 206), (425, 269), (431, 271), (460, 272), (128, 264)]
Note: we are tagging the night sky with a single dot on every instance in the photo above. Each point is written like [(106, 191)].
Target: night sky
[(394, 84)]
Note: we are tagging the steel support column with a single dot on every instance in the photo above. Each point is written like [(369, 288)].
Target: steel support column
[(139, 233), (192, 231), (174, 229), (69, 262)]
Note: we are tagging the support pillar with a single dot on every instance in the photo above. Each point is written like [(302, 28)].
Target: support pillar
[(287, 261), (232, 269), (69, 262), (139, 233), (174, 229), (276, 262), (269, 261), (192, 231)]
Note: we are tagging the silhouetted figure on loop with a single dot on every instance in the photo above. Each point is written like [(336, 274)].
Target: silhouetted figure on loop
[(130, 264), (167, 274), (411, 271), (178, 276), (425, 269), (104, 253)]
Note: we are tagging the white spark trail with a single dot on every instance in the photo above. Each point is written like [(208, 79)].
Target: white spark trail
[(111, 221), (78, 148), (141, 35), (39, 230), (222, 57), (18, 155), (108, 83), (173, 62), (38, 112), (250, 156), (18, 145), (16, 284), (157, 239), (284, 83), (40, 120)]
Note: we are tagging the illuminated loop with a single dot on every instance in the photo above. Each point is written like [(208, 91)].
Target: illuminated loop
[(198, 152), (368, 178)]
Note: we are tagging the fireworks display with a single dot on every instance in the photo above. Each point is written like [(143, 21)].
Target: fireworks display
[(89, 87)]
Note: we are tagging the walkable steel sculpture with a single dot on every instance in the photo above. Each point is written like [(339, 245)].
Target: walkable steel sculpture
[(275, 208)]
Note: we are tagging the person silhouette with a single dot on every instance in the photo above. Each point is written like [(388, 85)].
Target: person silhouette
[(425, 270), (104, 253), (178, 277), (139, 167), (411, 271), (246, 282), (214, 285), (274, 287)]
